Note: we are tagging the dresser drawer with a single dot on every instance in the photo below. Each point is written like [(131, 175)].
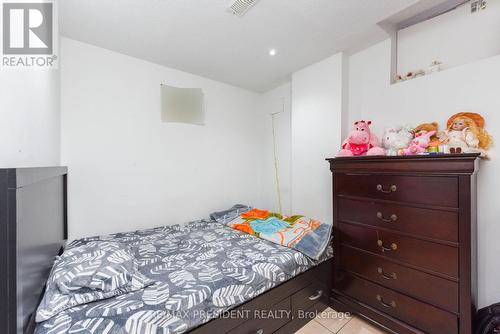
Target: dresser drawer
[(435, 224), (421, 315), (439, 191), (307, 297), (436, 257), (268, 322), (432, 289)]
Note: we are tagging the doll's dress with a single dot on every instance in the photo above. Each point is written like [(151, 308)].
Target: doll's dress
[(465, 139)]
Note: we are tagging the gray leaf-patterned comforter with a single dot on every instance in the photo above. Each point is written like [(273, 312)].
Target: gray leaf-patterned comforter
[(200, 270)]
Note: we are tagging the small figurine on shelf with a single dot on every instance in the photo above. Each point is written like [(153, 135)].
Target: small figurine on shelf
[(465, 133), (420, 143), (397, 139), (434, 67), (409, 76), (361, 141)]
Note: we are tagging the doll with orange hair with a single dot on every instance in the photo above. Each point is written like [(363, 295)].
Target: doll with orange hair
[(465, 133)]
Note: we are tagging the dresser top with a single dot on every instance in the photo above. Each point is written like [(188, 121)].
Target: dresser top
[(421, 164)]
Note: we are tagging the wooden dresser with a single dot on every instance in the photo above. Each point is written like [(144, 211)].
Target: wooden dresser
[(405, 241)]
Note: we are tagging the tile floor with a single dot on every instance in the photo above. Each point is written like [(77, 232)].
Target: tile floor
[(329, 322)]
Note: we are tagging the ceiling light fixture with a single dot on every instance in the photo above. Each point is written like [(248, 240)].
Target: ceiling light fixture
[(272, 52)]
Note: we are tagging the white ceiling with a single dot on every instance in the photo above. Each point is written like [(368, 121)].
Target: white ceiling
[(201, 37)]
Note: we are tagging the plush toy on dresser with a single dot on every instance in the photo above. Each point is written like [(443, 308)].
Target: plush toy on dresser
[(434, 126), (397, 139), (465, 133), (361, 141), (420, 143)]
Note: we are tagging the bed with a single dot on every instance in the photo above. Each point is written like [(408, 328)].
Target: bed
[(200, 277)]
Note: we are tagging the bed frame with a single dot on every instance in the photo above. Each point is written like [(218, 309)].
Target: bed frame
[(305, 296), (33, 231), (33, 227)]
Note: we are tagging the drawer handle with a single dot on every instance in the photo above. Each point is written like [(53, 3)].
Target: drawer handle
[(392, 189), (393, 217), (392, 304), (386, 276), (317, 296), (393, 247), (259, 331)]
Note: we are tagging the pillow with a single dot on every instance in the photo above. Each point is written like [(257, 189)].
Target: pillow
[(91, 272), (226, 216)]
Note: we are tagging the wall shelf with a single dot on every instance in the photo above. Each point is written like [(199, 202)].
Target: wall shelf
[(448, 33)]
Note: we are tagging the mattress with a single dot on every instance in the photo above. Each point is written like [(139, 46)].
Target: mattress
[(201, 270)]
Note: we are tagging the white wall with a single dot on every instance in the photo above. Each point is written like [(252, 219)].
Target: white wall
[(30, 115), (128, 170), (278, 100), (30, 118), (455, 38), (316, 135), (472, 87)]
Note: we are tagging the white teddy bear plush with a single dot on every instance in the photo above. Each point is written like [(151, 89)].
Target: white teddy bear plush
[(396, 139)]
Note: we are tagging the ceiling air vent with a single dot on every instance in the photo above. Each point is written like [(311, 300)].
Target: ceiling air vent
[(240, 7)]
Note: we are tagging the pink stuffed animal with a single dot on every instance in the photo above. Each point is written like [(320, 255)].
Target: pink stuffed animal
[(361, 141), (420, 143)]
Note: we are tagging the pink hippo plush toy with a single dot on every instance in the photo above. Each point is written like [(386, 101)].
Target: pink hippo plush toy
[(420, 143), (361, 141)]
